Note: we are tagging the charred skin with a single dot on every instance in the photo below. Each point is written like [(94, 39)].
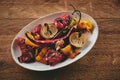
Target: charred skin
[(27, 55), (55, 41)]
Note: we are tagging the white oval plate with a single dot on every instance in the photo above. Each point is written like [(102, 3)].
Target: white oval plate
[(37, 66)]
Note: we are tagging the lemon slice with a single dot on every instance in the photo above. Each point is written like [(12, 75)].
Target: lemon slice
[(48, 34), (77, 41)]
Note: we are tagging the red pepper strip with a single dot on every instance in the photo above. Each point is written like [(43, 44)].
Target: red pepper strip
[(54, 40)]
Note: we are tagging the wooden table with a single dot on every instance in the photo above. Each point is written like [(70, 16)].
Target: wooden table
[(101, 63)]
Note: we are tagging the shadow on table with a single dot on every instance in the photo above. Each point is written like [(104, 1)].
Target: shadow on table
[(58, 74)]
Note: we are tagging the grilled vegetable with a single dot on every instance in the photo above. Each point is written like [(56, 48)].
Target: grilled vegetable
[(27, 55), (54, 42), (77, 40), (48, 31), (29, 40), (74, 53), (36, 29), (62, 22), (67, 49), (85, 24), (53, 57)]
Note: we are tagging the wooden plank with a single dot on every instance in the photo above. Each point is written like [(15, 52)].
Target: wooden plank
[(12, 27), (16, 1), (104, 10), (4, 11), (101, 63), (32, 2), (100, 9), (29, 11)]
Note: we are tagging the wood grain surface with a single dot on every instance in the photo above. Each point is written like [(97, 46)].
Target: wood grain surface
[(101, 63)]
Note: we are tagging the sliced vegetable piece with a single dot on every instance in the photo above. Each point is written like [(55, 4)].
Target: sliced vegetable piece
[(67, 49), (36, 29), (43, 51), (59, 44), (75, 51), (41, 59), (37, 36), (26, 55), (54, 40), (48, 31), (65, 17), (30, 43), (41, 56), (72, 55), (29, 40), (73, 22), (85, 24), (62, 22), (77, 41), (29, 35), (53, 57), (38, 58)]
